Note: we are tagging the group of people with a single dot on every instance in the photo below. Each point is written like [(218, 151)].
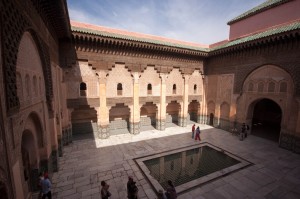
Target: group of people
[(170, 192), (132, 189), (197, 132)]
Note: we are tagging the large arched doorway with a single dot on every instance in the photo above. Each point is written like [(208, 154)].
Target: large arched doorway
[(3, 191), (266, 119), (29, 151), (172, 116), (119, 119), (148, 116), (224, 116), (193, 110), (211, 113)]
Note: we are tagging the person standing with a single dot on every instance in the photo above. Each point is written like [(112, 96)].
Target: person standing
[(193, 131), (198, 134), (41, 178), (243, 132), (105, 194), (132, 189), (171, 191), (46, 187)]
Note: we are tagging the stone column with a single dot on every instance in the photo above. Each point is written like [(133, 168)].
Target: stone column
[(103, 113), (162, 168), (184, 112), (204, 117), (135, 115), (183, 163), (161, 121)]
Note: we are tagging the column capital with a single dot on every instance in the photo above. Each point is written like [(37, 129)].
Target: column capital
[(135, 76), (186, 78), (102, 74), (163, 77)]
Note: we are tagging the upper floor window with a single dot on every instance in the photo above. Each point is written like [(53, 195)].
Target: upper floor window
[(149, 89), (82, 89), (283, 87), (119, 89), (260, 87), (174, 88), (35, 86), (27, 86), (195, 88), (271, 87)]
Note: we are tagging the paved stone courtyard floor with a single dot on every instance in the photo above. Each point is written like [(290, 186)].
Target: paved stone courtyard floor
[(275, 172)]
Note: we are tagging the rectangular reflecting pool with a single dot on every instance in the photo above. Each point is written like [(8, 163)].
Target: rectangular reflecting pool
[(189, 167)]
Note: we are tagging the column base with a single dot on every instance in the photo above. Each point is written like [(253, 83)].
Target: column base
[(289, 141), (160, 125), (103, 132), (60, 147), (70, 135), (134, 128), (182, 121), (202, 119), (54, 158)]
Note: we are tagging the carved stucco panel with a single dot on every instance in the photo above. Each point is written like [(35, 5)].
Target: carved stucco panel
[(175, 77), (149, 76), (119, 74), (196, 79)]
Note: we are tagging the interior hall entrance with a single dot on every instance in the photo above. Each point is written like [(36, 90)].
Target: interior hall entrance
[(266, 119), (148, 116), (172, 115)]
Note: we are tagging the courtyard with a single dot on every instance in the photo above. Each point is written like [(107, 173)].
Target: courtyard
[(274, 172)]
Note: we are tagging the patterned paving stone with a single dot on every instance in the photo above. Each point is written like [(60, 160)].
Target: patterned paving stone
[(85, 163)]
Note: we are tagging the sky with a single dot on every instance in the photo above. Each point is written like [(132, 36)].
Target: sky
[(197, 21)]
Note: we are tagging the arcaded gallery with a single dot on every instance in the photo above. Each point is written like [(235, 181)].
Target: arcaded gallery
[(84, 103)]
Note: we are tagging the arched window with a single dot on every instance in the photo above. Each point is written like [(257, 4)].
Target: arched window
[(195, 88), (174, 88), (149, 89), (250, 87), (271, 87), (260, 87), (283, 87), (27, 86), (35, 86), (119, 89), (82, 89)]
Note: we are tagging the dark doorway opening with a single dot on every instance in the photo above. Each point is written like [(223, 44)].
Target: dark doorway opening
[(211, 119), (3, 192), (266, 120)]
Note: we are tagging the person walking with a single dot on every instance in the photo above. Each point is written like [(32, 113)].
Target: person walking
[(193, 131), (105, 194), (132, 190), (46, 187), (198, 134), (171, 191)]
